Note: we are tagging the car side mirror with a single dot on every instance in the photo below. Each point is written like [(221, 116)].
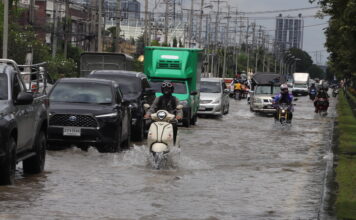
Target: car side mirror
[(149, 91), (24, 98), (194, 93)]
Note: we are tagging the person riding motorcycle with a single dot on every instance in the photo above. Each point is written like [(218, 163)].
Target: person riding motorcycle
[(238, 89), (322, 94), (312, 91), (167, 102), (284, 97)]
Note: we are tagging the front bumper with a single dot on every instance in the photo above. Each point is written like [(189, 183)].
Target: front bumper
[(90, 136), (209, 109), (263, 108)]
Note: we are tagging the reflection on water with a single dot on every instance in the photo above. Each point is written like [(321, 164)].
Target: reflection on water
[(242, 166)]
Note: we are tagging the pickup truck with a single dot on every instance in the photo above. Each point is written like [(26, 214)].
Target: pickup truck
[(23, 124)]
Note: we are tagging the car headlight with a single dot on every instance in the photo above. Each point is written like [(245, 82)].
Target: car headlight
[(161, 115), (184, 102), (110, 115)]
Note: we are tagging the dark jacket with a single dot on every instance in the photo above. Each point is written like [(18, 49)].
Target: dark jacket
[(168, 103)]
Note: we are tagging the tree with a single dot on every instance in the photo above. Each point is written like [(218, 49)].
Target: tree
[(175, 42), (316, 72), (305, 61)]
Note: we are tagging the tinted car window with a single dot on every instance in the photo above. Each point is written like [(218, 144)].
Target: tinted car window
[(179, 87), (128, 85), (267, 90), (210, 87), (3, 87), (82, 93)]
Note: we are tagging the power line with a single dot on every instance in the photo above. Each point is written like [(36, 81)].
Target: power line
[(279, 11)]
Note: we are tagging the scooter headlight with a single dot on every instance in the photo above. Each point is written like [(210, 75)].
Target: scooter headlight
[(283, 111), (161, 115)]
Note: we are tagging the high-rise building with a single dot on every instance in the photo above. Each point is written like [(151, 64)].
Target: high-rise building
[(289, 32)]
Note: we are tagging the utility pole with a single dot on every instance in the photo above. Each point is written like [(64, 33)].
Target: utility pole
[(226, 41), (145, 36), (32, 12), (201, 23), (67, 29), (54, 34), (100, 27), (190, 32), (166, 29), (5, 29), (118, 29), (257, 48), (247, 46)]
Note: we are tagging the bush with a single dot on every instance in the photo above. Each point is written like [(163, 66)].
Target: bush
[(60, 67)]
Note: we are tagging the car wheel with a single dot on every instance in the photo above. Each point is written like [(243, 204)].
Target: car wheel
[(227, 110), (35, 164), (8, 166), (186, 122), (139, 131), (251, 109)]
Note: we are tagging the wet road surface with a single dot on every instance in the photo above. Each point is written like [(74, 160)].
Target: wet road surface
[(241, 166)]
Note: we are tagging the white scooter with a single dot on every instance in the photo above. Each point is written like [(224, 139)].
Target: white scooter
[(160, 137)]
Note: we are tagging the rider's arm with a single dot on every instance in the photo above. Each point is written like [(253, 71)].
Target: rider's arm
[(179, 111), (153, 107)]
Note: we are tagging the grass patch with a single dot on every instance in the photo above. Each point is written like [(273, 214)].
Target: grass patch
[(346, 167)]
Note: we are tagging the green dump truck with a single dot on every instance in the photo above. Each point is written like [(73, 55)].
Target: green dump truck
[(182, 66)]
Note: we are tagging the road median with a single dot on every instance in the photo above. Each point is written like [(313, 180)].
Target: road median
[(346, 160)]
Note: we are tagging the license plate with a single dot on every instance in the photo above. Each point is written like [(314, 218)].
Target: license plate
[(72, 132), (202, 108)]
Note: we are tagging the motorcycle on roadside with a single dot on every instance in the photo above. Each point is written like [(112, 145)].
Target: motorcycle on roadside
[(321, 106), (284, 112), (160, 139), (312, 94)]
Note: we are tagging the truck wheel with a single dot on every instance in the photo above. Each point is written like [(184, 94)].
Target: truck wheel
[(186, 122), (35, 164), (139, 131), (8, 166)]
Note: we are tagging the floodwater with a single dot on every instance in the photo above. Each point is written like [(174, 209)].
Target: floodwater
[(241, 166)]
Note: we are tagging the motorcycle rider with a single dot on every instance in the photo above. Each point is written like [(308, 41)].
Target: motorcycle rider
[(312, 91), (284, 97), (167, 102), (238, 89), (322, 94)]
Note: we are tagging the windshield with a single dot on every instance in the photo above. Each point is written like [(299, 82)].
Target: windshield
[(300, 86), (179, 87), (267, 90), (82, 93), (128, 85), (3, 87), (210, 87)]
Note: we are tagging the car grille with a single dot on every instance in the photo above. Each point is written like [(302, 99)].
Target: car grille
[(73, 120), (205, 101)]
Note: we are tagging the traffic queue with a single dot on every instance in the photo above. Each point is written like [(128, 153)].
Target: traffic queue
[(109, 105)]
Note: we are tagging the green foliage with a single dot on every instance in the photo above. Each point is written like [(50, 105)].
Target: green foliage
[(341, 35), (155, 43), (60, 67), (140, 46), (175, 42), (305, 61), (316, 72)]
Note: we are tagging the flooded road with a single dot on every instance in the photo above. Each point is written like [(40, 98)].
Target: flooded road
[(241, 166)]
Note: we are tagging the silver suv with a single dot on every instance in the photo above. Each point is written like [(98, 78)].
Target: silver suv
[(262, 98)]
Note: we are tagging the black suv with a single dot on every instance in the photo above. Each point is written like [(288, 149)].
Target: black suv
[(88, 112), (23, 125), (136, 89)]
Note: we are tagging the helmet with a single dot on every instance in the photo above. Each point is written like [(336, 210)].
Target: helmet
[(167, 88), (284, 88)]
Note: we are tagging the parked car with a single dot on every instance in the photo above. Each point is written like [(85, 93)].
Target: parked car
[(137, 91), (214, 97), (23, 124), (89, 112)]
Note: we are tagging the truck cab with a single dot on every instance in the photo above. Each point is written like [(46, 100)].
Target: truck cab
[(23, 124), (182, 66)]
